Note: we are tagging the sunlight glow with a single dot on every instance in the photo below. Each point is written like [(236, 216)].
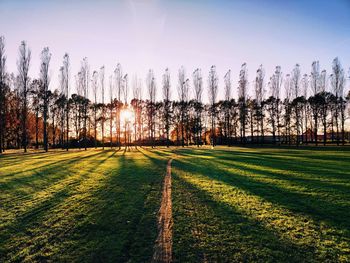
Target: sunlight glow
[(127, 115)]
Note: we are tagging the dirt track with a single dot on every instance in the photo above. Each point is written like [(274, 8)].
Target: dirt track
[(163, 244)]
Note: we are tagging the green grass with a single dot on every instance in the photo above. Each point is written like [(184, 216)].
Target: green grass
[(262, 204), (229, 204), (92, 206)]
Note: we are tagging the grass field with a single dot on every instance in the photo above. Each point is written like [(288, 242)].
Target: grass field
[(246, 204), (229, 204), (93, 206)]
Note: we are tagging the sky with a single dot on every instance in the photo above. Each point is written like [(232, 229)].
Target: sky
[(155, 34)]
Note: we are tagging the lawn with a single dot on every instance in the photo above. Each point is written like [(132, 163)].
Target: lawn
[(228, 204), (261, 204), (92, 206)]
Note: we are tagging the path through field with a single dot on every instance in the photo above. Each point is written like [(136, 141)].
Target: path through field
[(227, 204), (163, 245)]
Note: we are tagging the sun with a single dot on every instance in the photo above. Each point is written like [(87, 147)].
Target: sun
[(126, 115)]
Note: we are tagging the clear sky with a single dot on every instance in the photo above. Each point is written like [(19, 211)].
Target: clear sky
[(157, 34)]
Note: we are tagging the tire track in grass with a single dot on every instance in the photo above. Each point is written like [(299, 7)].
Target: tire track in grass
[(164, 241)]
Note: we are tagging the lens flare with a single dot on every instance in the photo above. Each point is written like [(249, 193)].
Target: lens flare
[(126, 115)]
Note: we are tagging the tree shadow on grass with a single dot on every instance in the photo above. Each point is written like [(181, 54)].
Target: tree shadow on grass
[(24, 224), (289, 148), (16, 159), (312, 180), (43, 171), (317, 155), (250, 241), (316, 208), (156, 157), (121, 225), (312, 153), (294, 171), (223, 234), (303, 164)]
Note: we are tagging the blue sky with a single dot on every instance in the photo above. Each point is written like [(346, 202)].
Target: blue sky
[(158, 34)]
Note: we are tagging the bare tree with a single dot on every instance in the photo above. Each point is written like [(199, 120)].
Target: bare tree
[(183, 89), (102, 85), (94, 85), (324, 107), (315, 83), (54, 112), (137, 107), (288, 108), (65, 72), (126, 121), (151, 87), (23, 68), (242, 99), (80, 100), (304, 108), (295, 80), (45, 80), (61, 105), (338, 84), (276, 93), (125, 89), (85, 75), (198, 92), (2, 92), (118, 78), (212, 92), (167, 104), (36, 95), (259, 98), (228, 91), (111, 106)]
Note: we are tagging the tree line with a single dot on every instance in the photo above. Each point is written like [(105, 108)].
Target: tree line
[(312, 110)]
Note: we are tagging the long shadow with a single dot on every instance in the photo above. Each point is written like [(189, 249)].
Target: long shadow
[(37, 163), (314, 207), (301, 148), (287, 165), (316, 153), (312, 176), (36, 215), (24, 189), (296, 164), (69, 171), (304, 167), (309, 172), (236, 237), (121, 224), (22, 158), (311, 183), (17, 154), (161, 153), (6, 163), (161, 161), (48, 169), (312, 153)]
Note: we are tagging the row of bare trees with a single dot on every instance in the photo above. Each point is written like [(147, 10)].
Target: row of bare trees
[(31, 114)]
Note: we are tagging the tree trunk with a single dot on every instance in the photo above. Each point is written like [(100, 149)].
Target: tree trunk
[(37, 129), (45, 124), (251, 127), (315, 128), (54, 130), (110, 127), (67, 124), (2, 124), (24, 121)]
